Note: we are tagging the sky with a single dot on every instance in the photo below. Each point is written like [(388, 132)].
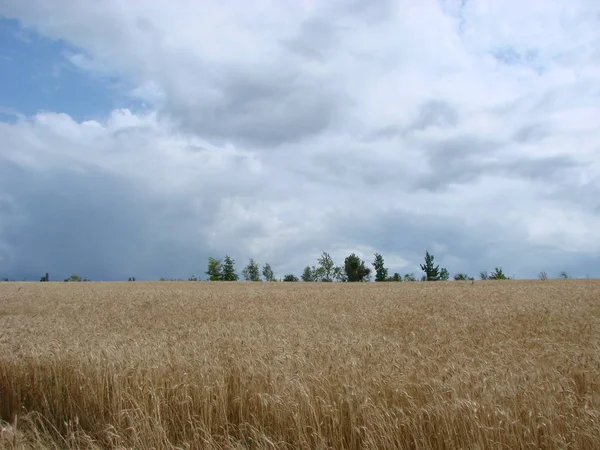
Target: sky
[(138, 138)]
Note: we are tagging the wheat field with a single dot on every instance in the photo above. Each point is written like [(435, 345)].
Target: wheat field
[(448, 365)]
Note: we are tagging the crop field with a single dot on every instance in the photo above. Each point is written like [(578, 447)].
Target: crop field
[(447, 365)]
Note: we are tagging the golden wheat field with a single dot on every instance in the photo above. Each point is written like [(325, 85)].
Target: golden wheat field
[(449, 365)]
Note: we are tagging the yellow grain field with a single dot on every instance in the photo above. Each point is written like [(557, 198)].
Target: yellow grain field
[(455, 365)]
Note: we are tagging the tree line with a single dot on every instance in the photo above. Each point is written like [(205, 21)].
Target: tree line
[(354, 269)]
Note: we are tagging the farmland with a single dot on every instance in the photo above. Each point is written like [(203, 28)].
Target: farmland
[(490, 364)]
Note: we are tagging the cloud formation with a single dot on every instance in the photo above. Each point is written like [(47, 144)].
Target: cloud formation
[(275, 130)]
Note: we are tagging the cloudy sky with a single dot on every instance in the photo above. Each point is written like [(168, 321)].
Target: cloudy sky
[(137, 138)]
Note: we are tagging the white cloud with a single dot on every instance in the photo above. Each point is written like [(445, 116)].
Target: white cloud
[(280, 129)]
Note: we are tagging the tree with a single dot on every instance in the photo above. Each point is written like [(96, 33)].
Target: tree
[(215, 269), (327, 266), (308, 275), (381, 273), (251, 272), (410, 277), (229, 269), (290, 277), (461, 277), (484, 275), (497, 274), (543, 276), (193, 278), (444, 274), (396, 277), (45, 278), (75, 278), (355, 270), (131, 279), (432, 272), (564, 275), (268, 273), (339, 274)]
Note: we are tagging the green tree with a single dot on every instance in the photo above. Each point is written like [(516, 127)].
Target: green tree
[(396, 277), (75, 278), (339, 274), (251, 272), (432, 272), (215, 269), (444, 274), (319, 275), (268, 273), (543, 276), (564, 275), (290, 277), (409, 277), (327, 268), (45, 278), (229, 269), (461, 277), (381, 273), (498, 274), (484, 275), (355, 269), (308, 275)]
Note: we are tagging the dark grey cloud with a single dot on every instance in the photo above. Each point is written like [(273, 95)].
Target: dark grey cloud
[(479, 249), (371, 12), (409, 235), (569, 190), (315, 40), (102, 227), (431, 113), (261, 109), (457, 161), (88, 224), (435, 113), (465, 159), (553, 168), (531, 133), (512, 57)]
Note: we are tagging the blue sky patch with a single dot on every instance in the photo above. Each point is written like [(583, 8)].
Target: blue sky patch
[(36, 76)]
